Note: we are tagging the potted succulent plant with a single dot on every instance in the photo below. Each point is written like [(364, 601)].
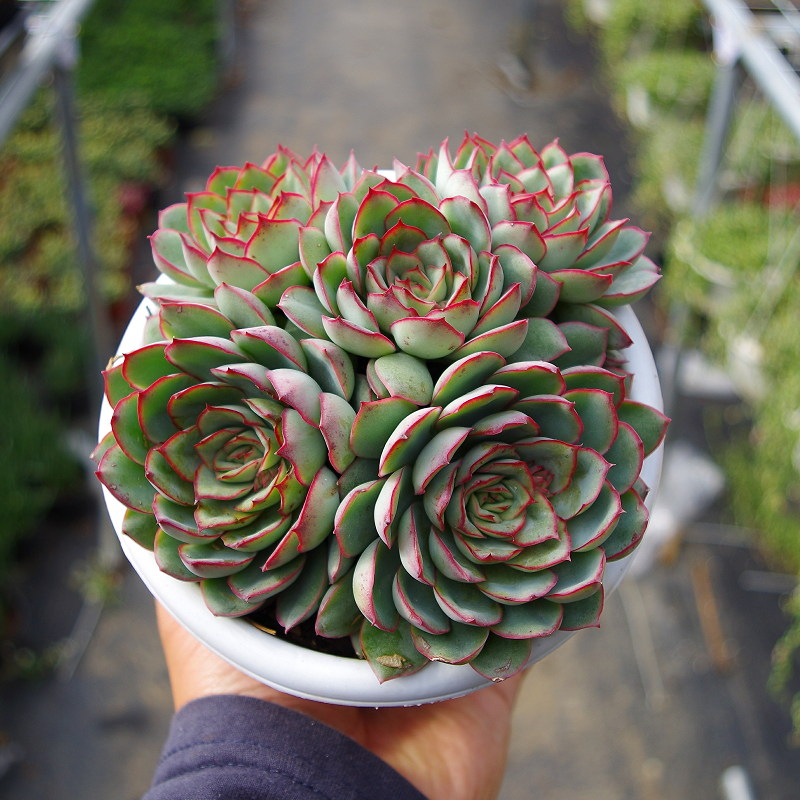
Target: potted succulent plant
[(392, 410)]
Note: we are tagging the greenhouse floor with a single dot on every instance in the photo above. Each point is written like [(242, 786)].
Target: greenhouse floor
[(657, 703)]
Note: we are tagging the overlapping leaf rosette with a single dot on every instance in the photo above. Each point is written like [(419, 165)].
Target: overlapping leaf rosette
[(496, 507), (396, 407)]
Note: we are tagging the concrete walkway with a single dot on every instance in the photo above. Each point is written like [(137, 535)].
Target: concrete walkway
[(635, 709)]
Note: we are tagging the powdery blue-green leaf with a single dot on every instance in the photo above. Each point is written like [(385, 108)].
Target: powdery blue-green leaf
[(618, 338), (546, 555), (126, 429), (587, 481), (458, 646), (464, 602), (426, 337), (301, 305), (146, 365), (512, 587), (465, 375), (168, 559), (213, 560), (142, 528), (222, 602), (587, 345), (154, 419), (436, 455), (530, 378), (253, 584), (330, 366), (416, 604), (406, 377), (183, 320), (502, 658), (413, 533), (408, 439), (178, 521), (126, 480), (579, 577), (197, 356), (390, 654), (303, 597), (522, 235), (593, 526), (338, 613), (374, 424), (356, 339), (241, 307), (583, 613), (271, 347), (556, 416), (544, 341), (529, 621), (266, 529), (630, 527), (354, 522), (505, 340), (449, 560), (626, 456), (474, 405), (372, 585), (649, 423), (185, 406), (595, 407)]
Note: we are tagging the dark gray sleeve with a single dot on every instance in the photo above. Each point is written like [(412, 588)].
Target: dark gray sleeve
[(238, 748)]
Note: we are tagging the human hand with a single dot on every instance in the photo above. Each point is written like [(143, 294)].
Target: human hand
[(452, 750)]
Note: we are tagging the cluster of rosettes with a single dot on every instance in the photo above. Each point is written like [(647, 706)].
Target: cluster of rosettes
[(397, 404)]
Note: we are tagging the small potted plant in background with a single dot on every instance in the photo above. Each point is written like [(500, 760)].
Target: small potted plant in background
[(387, 409)]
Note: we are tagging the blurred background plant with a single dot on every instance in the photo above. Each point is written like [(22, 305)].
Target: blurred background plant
[(730, 271), (147, 69)]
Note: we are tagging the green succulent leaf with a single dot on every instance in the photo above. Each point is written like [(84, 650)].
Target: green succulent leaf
[(593, 526), (338, 613), (374, 424), (168, 559), (579, 577), (502, 658), (126, 480), (649, 423), (416, 604), (544, 341), (529, 621), (354, 523), (626, 456), (512, 587), (372, 585), (583, 613), (629, 529), (390, 654), (303, 597), (142, 528)]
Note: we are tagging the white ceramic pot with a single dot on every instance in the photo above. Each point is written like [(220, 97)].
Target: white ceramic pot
[(333, 679)]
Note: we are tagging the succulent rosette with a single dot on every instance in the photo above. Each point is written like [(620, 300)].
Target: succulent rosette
[(566, 199), (395, 404), (492, 512), (243, 229), (224, 452)]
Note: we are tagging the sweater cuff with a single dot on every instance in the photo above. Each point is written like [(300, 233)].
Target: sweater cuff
[(229, 746)]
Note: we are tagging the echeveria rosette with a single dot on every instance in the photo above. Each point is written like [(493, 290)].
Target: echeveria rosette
[(402, 268), (226, 453), (567, 199), (242, 231), (496, 508)]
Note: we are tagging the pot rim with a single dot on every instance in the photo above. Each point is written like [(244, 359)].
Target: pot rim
[(332, 679)]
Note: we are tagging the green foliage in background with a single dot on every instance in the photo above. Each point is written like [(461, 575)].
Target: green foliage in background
[(164, 52), (38, 267), (144, 65), (34, 465), (736, 268)]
